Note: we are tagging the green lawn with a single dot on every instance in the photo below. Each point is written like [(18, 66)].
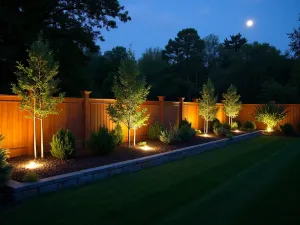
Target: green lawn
[(251, 182)]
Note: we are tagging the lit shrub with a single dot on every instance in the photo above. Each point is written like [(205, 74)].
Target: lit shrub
[(170, 136), (31, 177), (234, 126), (155, 131), (142, 143), (287, 129), (220, 131), (270, 114), (248, 126), (198, 131), (102, 141), (226, 126), (118, 134), (63, 144), (5, 168)]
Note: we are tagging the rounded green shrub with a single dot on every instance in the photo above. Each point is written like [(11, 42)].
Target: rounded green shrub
[(239, 124), (186, 133), (155, 131), (5, 168), (63, 144), (170, 136), (248, 126), (118, 133), (215, 123), (226, 126), (287, 129), (221, 131), (185, 123), (102, 142), (31, 177)]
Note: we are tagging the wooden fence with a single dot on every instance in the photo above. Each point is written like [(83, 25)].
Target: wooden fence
[(84, 115)]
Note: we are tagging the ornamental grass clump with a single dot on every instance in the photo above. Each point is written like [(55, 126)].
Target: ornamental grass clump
[(270, 114)]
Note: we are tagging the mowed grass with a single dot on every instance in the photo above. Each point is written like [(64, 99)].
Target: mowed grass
[(255, 181)]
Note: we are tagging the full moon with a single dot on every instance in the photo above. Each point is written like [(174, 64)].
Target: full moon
[(249, 23)]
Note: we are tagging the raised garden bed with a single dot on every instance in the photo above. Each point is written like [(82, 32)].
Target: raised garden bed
[(24, 190), (52, 166)]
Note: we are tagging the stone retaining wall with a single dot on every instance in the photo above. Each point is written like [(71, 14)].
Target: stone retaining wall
[(24, 190)]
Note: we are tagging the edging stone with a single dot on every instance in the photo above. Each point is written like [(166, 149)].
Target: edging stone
[(21, 191)]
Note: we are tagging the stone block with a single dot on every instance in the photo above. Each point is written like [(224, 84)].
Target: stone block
[(85, 179), (48, 188), (100, 175)]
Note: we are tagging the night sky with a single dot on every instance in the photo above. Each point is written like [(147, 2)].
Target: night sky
[(154, 22)]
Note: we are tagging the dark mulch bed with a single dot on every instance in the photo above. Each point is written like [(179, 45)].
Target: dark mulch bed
[(52, 166), (280, 134)]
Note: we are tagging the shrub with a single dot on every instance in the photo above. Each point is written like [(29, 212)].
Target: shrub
[(287, 129), (185, 123), (239, 124), (118, 134), (5, 168), (226, 126), (102, 141), (215, 123), (198, 131), (142, 143), (248, 126), (63, 145), (186, 133), (31, 177), (169, 136), (155, 131), (234, 126), (270, 114), (229, 135), (221, 131)]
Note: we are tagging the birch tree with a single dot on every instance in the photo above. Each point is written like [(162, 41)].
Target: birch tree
[(207, 104), (36, 85), (232, 103)]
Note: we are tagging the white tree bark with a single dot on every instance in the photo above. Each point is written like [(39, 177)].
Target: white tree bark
[(134, 134), (42, 140), (34, 130)]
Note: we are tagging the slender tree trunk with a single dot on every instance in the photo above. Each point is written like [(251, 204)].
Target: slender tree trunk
[(34, 131), (42, 140), (128, 132), (134, 133), (204, 126), (207, 126)]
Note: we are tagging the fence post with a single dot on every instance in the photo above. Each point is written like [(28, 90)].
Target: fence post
[(162, 110), (197, 112), (180, 99), (86, 114)]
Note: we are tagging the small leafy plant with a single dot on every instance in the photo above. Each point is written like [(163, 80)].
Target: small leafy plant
[(287, 129), (31, 177), (221, 130), (198, 131), (226, 126), (155, 131), (63, 144), (170, 136), (215, 123), (234, 126), (185, 123), (142, 143), (102, 141), (229, 135), (118, 134), (248, 126), (5, 168), (270, 114)]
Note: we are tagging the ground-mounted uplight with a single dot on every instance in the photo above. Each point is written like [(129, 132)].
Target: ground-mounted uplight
[(146, 148), (237, 131), (33, 165), (269, 130)]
